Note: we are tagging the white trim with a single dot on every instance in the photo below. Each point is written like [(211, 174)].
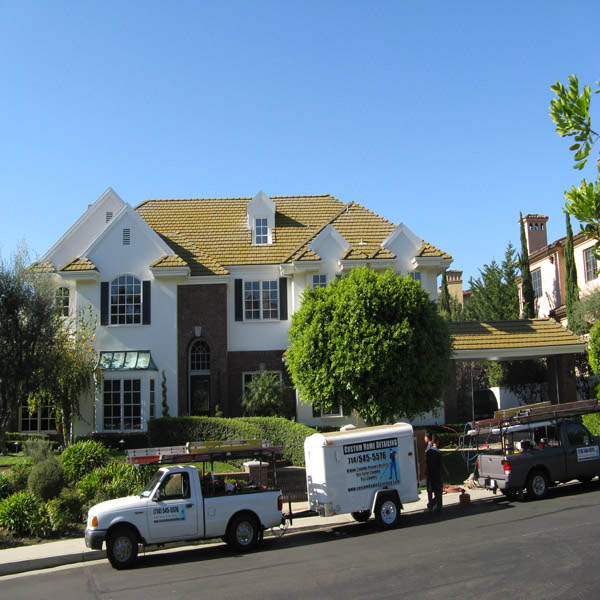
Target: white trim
[(80, 275), (373, 263), (416, 241), (207, 280), (330, 232), (170, 272), (517, 353)]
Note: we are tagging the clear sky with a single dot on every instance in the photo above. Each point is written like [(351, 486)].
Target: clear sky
[(434, 114)]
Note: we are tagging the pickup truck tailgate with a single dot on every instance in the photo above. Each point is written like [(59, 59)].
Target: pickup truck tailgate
[(490, 466)]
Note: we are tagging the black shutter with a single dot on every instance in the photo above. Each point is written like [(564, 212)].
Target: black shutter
[(146, 303), (283, 313), (239, 301), (104, 303)]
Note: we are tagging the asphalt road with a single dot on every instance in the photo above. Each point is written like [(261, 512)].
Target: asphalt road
[(495, 549)]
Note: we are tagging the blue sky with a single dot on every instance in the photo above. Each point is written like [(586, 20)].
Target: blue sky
[(434, 114)]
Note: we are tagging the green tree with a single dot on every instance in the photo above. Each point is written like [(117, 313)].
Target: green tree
[(570, 111), (571, 287), (593, 351), (587, 311), (28, 327), (529, 311), (494, 295), (373, 343), (73, 363), (445, 308), (265, 396)]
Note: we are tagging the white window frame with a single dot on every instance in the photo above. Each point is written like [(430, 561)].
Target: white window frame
[(256, 296), (63, 301), (537, 287), (137, 302), (261, 231), (331, 415), (151, 398), (122, 392), (416, 276), (591, 264), (319, 281)]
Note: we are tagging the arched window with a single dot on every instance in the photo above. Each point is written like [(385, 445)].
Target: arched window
[(200, 356), (125, 300), (62, 301)]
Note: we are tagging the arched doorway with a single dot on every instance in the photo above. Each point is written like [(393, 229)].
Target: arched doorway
[(199, 379)]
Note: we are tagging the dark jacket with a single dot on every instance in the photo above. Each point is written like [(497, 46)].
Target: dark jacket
[(433, 459)]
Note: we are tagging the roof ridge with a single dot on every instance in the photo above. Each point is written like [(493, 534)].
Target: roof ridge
[(230, 198), (352, 202)]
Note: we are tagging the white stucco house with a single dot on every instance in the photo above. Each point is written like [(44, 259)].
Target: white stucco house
[(203, 290)]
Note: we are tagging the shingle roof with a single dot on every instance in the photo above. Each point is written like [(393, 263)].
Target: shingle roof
[(525, 333), (429, 250), (43, 267), (79, 264), (212, 234), (169, 260)]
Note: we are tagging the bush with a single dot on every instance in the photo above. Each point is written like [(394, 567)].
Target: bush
[(38, 449), (19, 514), (46, 479), (6, 488), (265, 396), (115, 481), (592, 422), (19, 474), (66, 510), (112, 440), (82, 458), (175, 431)]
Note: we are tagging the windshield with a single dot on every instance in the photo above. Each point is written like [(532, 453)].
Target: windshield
[(148, 489)]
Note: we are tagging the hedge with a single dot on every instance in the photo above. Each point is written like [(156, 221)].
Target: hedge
[(176, 431), (592, 422), (112, 440)]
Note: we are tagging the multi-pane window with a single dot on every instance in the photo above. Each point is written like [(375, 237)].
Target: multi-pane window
[(200, 356), (591, 266), (62, 301), (261, 300), (261, 231), (122, 401), (125, 301), (38, 420), (152, 400), (319, 281), (536, 278), (416, 275), (249, 376), (334, 411)]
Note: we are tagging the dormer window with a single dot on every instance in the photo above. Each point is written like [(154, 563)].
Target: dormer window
[(261, 231)]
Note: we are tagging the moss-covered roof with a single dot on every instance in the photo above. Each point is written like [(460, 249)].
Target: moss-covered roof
[(79, 264)]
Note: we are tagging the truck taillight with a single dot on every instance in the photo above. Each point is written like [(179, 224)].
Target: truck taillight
[(478, 467), (279, 502), (506, 467)]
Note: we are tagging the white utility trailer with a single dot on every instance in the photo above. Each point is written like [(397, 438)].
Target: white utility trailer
[(362, 471)]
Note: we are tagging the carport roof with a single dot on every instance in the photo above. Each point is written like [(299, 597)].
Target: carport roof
[(513, 340)]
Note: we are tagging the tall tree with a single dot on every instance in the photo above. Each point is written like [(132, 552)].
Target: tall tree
[(372, 343), (526, 280), (494, 295), (445, 308), (570, 110), (28, 327), (571, 287)]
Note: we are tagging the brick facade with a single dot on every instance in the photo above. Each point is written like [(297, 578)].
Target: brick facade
[(203, 306)]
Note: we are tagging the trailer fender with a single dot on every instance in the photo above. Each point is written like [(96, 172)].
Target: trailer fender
[(386, 491), (386, 508)]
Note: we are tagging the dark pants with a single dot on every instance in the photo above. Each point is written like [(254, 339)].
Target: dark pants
[(434, 496)]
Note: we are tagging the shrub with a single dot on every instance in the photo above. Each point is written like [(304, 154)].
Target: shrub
[(178, 430), (19, 474), (66, 510), (82, 458), (38, 449), (592, 422), (138, 439), (6, 488), (115, 480), (265, 396), (19, 512), (46, 479)]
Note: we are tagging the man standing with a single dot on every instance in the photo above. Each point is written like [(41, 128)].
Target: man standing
[(433, 460)]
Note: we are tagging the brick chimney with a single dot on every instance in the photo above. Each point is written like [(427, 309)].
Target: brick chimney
[(454, 281), (535, 229)]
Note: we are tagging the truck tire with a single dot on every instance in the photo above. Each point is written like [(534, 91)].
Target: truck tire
[(122, 547), (361, 516), (537, 485), (243, 532), (387, 511)]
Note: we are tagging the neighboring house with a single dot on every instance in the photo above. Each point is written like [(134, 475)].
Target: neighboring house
[(203, 290), (547, 266)]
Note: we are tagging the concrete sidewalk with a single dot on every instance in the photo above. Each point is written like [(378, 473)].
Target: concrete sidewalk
[(65, 552)]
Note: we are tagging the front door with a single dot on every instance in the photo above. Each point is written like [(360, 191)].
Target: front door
[(199, 395)]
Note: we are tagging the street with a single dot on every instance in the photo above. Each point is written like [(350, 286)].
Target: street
[(494, 549)]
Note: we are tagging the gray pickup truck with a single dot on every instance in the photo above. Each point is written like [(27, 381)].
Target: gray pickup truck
[(537, 455)]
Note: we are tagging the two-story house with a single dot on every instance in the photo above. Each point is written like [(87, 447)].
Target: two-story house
[(547, 266), (194, 296)]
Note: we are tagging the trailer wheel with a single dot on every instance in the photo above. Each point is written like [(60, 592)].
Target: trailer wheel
[(537, 485), (387, 511), (361, 516), (122, 547), (244, 532)]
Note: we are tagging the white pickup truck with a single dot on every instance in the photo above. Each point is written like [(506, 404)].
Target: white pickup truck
[(179, 504)]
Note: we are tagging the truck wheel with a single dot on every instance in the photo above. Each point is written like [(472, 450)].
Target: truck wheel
[(243, 533), (537, 485), (122, 547), (361, 516), (387, 511)]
